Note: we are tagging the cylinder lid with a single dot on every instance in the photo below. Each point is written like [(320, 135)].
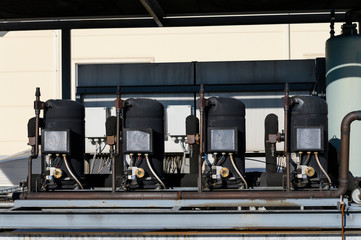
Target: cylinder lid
[(56, 108), (226, 106), (309, 105)]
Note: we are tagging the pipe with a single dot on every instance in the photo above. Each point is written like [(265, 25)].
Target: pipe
[(71, 173), (30, 171), (154, 174), (118, 106), (35, 149), (286, 104), (201, 104), (341, 190)]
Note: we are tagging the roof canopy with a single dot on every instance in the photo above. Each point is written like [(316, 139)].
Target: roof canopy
[(44, 14)]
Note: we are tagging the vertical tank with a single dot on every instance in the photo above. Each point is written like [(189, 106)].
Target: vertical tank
[(343, 79), (229, 113), (67, 114), (309, 112), (142, 114)]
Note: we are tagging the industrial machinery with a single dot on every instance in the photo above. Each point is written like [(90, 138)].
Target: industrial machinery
[(224, 163), (144, 149), (136, 148)]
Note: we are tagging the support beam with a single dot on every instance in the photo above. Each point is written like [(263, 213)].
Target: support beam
[(172, 21), (155, 10), (66, 63)]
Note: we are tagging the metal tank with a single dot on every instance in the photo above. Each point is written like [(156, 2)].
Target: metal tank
[(343, 78), (63, 115), (225, 118), (145, 115), (309, 136)]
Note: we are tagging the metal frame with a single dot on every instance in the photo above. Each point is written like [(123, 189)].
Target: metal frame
[(182, 214)]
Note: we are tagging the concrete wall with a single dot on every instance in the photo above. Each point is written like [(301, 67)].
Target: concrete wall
[(32, 59)]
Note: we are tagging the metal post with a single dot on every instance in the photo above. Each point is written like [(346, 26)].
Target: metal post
[(66, 63), (286, 104), (202, 103)]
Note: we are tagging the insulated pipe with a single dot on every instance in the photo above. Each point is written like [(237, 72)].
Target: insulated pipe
[(343, 182)]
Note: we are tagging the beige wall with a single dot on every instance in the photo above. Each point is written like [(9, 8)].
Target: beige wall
[(27, 60), (31, 59)]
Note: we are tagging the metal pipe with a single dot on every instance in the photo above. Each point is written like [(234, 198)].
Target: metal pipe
[(286, 105), (30, 171), (343, 182), (35, 149), (117, 141), (201, 104), (117, 107)]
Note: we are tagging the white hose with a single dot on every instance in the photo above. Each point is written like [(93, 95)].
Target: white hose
[(155, 175), (323, 170), (71, 173), (235, 168)]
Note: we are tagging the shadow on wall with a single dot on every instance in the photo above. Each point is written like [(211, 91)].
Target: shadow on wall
[(3, 33), (14, 169)]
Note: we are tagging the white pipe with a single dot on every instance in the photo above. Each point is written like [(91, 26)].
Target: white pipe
[(155, 175), (235, 167), (323, 170), (71, 173)]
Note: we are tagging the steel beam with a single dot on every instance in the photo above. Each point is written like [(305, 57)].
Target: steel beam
[(155, 10), (170, 21), (175, 204), (85, 219)]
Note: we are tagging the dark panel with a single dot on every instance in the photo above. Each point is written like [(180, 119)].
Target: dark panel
[(256, 72), (236, 6), (140, 74), (308, 86), (69, 8), (30, 9)]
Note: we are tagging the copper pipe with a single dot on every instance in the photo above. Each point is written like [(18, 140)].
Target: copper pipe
[(35, 149), (201, 104), (118, 106), (343, 181), (345, 147)]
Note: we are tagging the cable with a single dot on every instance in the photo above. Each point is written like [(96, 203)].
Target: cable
[(93, 162), (221, 160), (308, 158), (235, 167), (151, 169), (323, 170), (71, 173)]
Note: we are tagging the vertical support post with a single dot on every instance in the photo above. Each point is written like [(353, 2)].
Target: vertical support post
[(66, 63), (119, 106), (286, 105), (202, 103)]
